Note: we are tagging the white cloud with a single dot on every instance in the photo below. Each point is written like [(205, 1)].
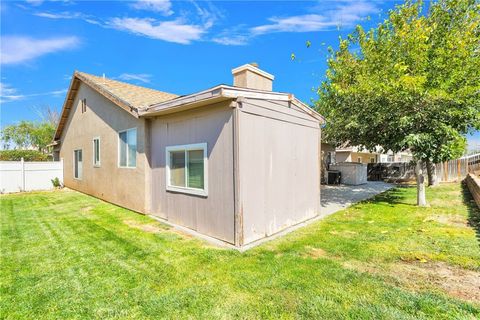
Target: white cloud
[(319, 18), (143, 77), (173, 31), (345, 15), (60, 15), (67, 15), (34, 2), (18, 49), (9, 94), (232, 40), (162, 6)]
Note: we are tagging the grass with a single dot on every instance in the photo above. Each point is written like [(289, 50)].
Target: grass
[(68, 255)]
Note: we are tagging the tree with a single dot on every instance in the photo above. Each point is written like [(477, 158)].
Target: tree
[(28, 134), (31, 134), (17, 135), (413, 82)]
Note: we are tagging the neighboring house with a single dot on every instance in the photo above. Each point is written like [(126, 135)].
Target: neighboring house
[(403, 156), (361, 155), (356, 154), (237, 163)]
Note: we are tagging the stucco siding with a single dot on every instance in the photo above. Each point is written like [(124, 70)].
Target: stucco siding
[(212, 215), (343, 156), (349, 156), (279, 167), (103, 119)]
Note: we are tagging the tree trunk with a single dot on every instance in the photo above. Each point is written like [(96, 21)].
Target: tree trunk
[(432, 174), (421, 200)]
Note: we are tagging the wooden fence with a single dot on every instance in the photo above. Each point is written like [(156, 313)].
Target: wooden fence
[(453, 170), (456, 170)]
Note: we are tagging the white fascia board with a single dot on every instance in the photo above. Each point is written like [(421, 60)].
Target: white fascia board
[(221, 91), (230, 92)]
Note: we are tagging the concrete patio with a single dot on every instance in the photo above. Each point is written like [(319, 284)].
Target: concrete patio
[(337, 197)]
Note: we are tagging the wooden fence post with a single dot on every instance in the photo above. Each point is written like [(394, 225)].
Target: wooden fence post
[(445, 171), (459, 175)]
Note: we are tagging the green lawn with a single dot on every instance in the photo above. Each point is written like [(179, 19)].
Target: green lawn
[(68, 255)]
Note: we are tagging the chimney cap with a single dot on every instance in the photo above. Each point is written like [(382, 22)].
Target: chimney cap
[(254, 69)]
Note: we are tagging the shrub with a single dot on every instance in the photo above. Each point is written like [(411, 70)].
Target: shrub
[(56, 183), (27, 155)]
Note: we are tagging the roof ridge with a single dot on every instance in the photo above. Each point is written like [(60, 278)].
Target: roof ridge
[(122, 82)]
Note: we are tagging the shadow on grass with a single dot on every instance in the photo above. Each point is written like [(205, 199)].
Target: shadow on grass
[(473, 210), (392, 196)]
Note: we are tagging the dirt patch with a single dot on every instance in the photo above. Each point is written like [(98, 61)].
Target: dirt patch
[(314, 253), (452, 220), (181, 233), (419, 275), (455, 281), (150, 227), (87, 209)]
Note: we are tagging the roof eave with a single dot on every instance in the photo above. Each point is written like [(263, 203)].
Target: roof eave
[(71, 93), (220, 93)]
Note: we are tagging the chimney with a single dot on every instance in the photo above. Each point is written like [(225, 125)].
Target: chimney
[(251, 77)]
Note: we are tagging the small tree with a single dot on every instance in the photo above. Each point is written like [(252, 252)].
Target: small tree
[(413, 83), (28, 134)]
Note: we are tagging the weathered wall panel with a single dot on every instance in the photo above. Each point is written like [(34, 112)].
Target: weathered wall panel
[(212, 215), (122, 186), (279, 168)]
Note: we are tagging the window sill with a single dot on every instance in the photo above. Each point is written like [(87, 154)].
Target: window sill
[(196, 192), (96, 166), (120, 167)]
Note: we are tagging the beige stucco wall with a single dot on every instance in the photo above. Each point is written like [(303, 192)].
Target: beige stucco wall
[(365, 157), (212, 215), (343, 156), (279, 167), (249, 79), (348, 156), (122, 186)]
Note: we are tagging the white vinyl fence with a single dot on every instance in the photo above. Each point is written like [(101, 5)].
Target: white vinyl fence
[(18, 176)]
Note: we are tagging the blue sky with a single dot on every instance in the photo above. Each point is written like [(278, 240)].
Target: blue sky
[(174, 46)]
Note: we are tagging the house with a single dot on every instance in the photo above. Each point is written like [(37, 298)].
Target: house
[(235, 163), (361, 155), (355, 154)]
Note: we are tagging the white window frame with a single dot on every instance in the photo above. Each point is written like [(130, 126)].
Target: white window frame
[(118, 148), (186, 148), (97, 164), (74, 159)]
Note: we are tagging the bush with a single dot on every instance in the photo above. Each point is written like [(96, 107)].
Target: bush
[(27, 155), (56, 183)]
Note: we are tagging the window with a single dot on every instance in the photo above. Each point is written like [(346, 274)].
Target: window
[(127, 145), (359, 160), (187, 169), (84, 105), (96, 152), (372, 160), (77, 164)]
